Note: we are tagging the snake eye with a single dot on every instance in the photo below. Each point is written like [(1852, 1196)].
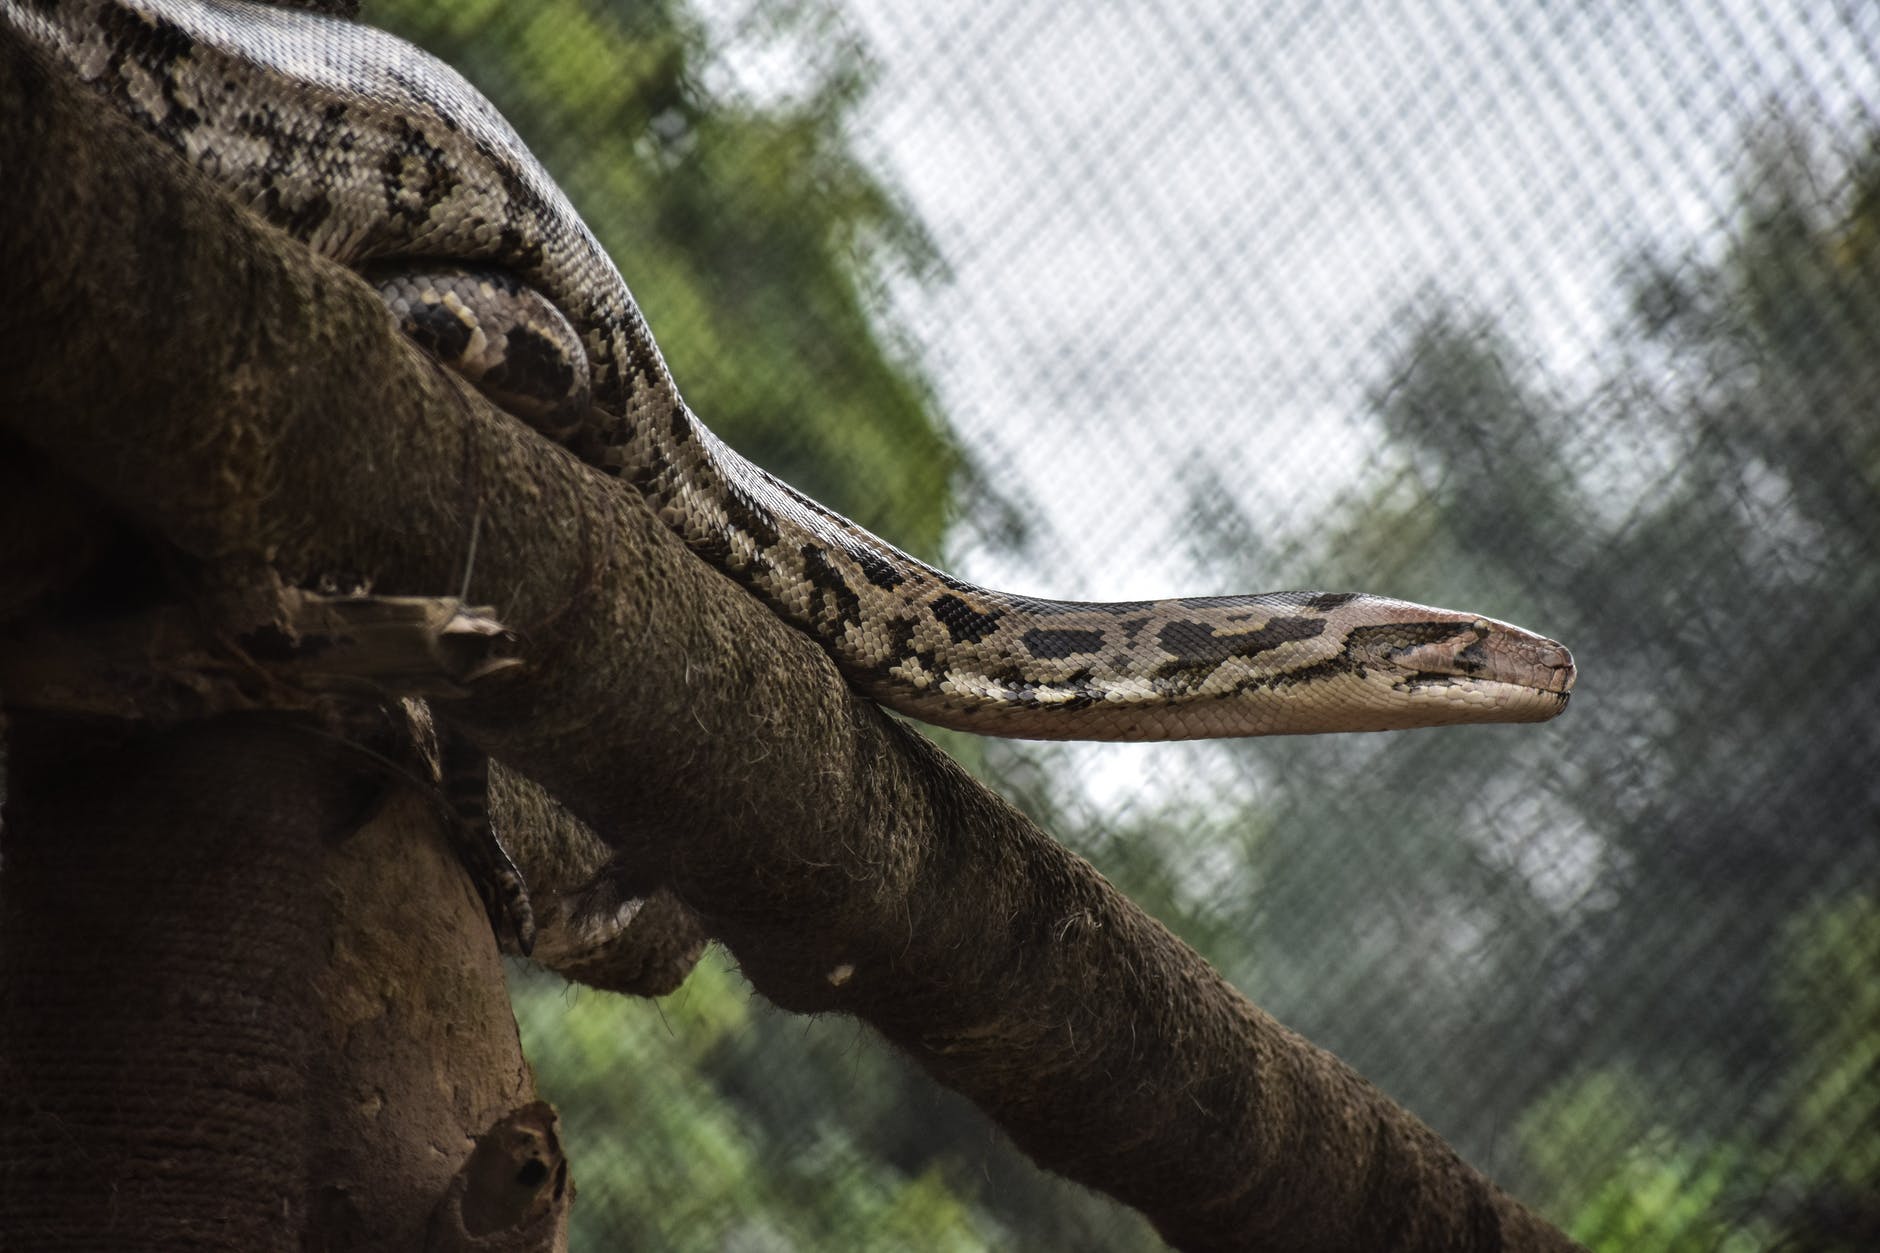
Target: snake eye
[(1480, 627)]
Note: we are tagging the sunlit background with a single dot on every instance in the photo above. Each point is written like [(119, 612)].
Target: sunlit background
[(1566, 314)]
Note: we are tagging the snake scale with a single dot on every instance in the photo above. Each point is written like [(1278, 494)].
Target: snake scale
[(381, 157)]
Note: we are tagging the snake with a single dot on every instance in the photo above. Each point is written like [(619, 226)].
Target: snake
[(381, 157)]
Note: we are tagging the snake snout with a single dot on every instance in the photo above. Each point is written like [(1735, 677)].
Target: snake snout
[(1487, 651), (1543, 665), (1519, 657)]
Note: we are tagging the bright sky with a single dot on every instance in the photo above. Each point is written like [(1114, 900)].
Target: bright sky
[(1186, 230)]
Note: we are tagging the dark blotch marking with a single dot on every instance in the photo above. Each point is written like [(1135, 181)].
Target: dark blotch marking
[(900, 629), (1386, 640), (438, 331), (535, 365), (750, 517), (825, 577), (413, 175), (965, 624), (958, 585), (1325, 602), (877, 568), (1394, 635), (1330, 668), (1057, 645), (519, 250), (1194, 645), (1131, 628)]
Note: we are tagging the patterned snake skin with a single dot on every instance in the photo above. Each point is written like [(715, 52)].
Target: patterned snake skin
[(379, 156)]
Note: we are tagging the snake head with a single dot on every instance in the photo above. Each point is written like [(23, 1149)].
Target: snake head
[(1481, 669)]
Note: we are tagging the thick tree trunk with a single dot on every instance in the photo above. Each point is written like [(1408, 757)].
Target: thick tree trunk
[(159, 939), (231, 1016)]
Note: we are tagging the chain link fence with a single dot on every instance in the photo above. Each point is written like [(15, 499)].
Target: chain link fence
[(1569, 314)]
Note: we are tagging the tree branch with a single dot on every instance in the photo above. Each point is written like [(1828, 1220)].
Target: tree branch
[(226, 390)]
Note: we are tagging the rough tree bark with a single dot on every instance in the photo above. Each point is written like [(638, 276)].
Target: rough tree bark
[(219, 387), (237, 1014)]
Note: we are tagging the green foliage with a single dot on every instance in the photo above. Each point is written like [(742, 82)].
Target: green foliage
[(1665, 1200), (1812, 1177), (1831, 1000), (1645, 1190), (664, 1160)]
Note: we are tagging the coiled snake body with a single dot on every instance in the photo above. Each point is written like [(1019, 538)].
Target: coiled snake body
[(383, 158)]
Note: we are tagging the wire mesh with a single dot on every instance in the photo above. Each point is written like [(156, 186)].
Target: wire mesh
[(1564, 313)]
